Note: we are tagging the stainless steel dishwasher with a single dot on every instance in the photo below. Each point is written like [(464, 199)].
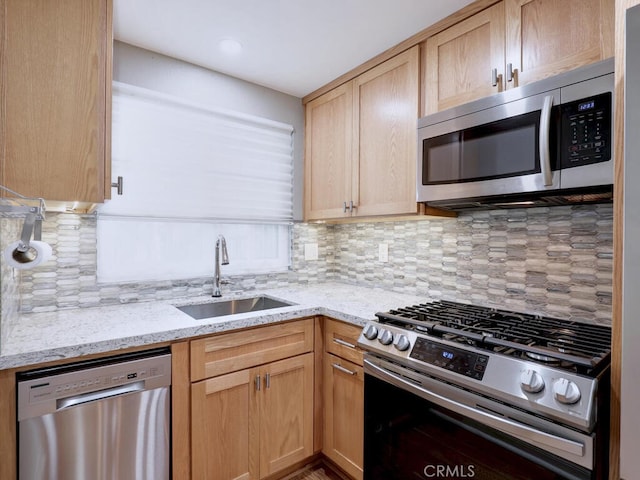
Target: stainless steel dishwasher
[(106, 419)]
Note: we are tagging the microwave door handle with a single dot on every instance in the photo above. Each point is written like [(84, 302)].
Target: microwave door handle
[(545, 126)]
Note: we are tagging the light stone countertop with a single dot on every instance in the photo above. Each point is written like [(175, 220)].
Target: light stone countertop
[(66, 334)]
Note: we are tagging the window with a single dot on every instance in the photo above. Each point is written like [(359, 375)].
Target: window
[(190, 173)]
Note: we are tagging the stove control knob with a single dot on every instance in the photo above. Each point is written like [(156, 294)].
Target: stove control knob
[(402, 343), (565, 391), (370, 332), (531, 381), (385, 337)]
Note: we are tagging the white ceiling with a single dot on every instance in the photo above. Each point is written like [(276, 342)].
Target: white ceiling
[(294, 46)]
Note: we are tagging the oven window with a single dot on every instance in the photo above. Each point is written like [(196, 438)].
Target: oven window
[(407, 437), (505, 148)]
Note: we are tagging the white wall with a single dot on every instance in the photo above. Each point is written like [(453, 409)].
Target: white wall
[(154, 71)]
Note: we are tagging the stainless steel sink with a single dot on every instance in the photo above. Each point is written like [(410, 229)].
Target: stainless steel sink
[(230, 307)]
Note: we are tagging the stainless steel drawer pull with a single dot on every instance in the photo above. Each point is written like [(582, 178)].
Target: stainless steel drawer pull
[(258, 382), (342, 369), (267, 381), (494, 77), (343, 343)]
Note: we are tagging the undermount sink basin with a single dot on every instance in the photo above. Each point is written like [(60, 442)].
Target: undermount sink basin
[(230, 307)]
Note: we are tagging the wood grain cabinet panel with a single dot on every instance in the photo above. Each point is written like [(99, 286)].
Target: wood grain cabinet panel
[(386, 101), (226, 353), (360, 143), (286, 413), (341, 339), (343, 384), (224, 428), (547, 37), (252, 401), (344, 414), (55, 60), (253, 423), (328, 151), (522, 40), (459, 60)]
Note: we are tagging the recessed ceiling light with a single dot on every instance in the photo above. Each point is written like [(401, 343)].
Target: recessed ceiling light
[(230, 47)]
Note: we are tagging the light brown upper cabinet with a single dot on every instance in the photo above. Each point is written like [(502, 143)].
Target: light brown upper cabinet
[(512, 43), (465, 61), (55, 62), (360, 144), (546, 37), (329, 127)]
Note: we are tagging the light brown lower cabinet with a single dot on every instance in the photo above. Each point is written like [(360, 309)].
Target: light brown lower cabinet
[(252, 423), (344, 414), (343, 384)]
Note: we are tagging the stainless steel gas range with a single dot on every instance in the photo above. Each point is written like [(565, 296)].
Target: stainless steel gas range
[(461, 391)]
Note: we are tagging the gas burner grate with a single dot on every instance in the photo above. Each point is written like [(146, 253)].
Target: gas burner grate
[(574, 345)]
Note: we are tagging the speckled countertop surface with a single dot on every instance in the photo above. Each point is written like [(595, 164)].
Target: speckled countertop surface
[(44, 337)]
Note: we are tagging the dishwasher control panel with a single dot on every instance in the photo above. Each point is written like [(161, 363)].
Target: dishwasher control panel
[(51, 390)]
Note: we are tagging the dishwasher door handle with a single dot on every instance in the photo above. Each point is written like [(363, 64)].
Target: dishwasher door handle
[(68, 402)]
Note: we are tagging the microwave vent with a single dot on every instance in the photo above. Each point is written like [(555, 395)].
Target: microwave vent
[(587, 195)]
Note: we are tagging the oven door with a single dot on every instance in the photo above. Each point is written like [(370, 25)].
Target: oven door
[(419, 427)]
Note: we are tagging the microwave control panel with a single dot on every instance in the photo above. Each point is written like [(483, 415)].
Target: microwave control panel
[(586, 131)]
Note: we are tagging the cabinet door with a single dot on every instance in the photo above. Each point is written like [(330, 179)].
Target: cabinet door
[(55, 61), (546, 37), (459, 60), (344, 414), (224, 427), (328, 153), (286, 413), (386, 114)]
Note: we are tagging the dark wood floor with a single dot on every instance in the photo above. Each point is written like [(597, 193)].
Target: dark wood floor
[(316, 472)]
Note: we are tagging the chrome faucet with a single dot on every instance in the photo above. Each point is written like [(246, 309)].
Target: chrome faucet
[(221, 243)]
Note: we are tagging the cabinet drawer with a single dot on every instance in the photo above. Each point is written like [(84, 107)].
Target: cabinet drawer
[(341, 340), (230, 352)]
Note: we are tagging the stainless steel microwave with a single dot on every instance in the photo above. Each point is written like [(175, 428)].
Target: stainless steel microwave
[(549, 142)]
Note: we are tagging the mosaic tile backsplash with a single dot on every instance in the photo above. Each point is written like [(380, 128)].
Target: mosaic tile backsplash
[(553, 261), (10, 229)]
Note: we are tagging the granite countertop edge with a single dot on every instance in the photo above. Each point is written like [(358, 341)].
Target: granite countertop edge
[(39, 338)]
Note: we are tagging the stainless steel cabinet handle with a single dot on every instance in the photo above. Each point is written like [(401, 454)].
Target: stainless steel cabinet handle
[(267, 380), (342, 369), (545, 125), (101, 395), (118, 185), (494, 77), (350, 207), (258, 382), (509, 72), (339, 341)]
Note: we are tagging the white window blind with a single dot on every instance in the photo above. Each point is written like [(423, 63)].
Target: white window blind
[(179, 159), (192, 172)]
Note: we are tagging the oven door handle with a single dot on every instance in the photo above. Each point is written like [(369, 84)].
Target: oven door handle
[(502, 424)]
